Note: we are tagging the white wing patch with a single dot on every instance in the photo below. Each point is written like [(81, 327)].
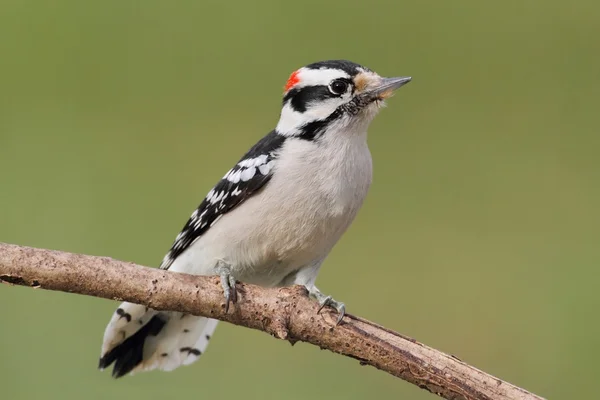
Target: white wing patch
[(265, 169), (248, 174), (253, 162), (247, 168)]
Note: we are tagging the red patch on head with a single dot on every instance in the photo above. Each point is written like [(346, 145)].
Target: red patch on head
[(292, 81)]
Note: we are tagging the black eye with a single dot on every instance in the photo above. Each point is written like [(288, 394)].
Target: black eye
[(338, 86)]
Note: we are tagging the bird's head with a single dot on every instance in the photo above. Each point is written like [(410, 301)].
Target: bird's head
[(333, 94)]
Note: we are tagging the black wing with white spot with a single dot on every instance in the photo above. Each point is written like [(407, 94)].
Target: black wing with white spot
[(249, 175)]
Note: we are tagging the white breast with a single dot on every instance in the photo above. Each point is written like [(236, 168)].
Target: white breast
[(316, 190)]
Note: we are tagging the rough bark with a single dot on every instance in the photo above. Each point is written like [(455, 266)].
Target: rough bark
[(286, 313)]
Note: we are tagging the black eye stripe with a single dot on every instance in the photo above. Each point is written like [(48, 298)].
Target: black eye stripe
[(301, 97), (290, 94)]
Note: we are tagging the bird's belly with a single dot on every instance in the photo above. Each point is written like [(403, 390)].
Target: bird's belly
[(282, 248), (263, 248)]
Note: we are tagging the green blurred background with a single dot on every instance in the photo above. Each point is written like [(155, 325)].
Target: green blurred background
[(116, 118)]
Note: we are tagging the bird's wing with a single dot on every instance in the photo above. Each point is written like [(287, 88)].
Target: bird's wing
[(247, 177)]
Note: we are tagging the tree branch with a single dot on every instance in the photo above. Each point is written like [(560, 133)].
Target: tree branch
[(286, 313)]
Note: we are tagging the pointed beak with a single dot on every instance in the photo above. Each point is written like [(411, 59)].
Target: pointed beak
[(386, 86)]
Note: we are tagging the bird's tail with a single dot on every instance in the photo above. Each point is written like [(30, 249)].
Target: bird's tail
[(138, 338)]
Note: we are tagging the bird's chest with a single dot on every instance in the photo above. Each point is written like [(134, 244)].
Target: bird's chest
[(323, 185)]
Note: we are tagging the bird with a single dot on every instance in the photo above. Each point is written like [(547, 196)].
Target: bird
[(273, 218)]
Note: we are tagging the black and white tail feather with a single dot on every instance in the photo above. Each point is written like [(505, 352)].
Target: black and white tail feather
[(141, 339), (301, 187)]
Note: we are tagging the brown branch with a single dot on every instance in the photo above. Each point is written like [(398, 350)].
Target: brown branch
[(286, 313)]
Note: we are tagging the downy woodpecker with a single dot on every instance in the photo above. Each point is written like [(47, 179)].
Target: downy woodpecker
[(273, 218)]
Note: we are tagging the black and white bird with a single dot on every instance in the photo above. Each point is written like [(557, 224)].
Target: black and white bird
[(273, 218)]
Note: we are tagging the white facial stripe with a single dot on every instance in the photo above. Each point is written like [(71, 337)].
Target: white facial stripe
[(291, 120), (323, 109), (316, 77)]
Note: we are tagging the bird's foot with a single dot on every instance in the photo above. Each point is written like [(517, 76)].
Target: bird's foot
[(228, 284), (325, 300)]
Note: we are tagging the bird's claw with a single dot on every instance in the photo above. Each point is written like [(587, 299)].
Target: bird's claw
[(229, 289), (338, 305)]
